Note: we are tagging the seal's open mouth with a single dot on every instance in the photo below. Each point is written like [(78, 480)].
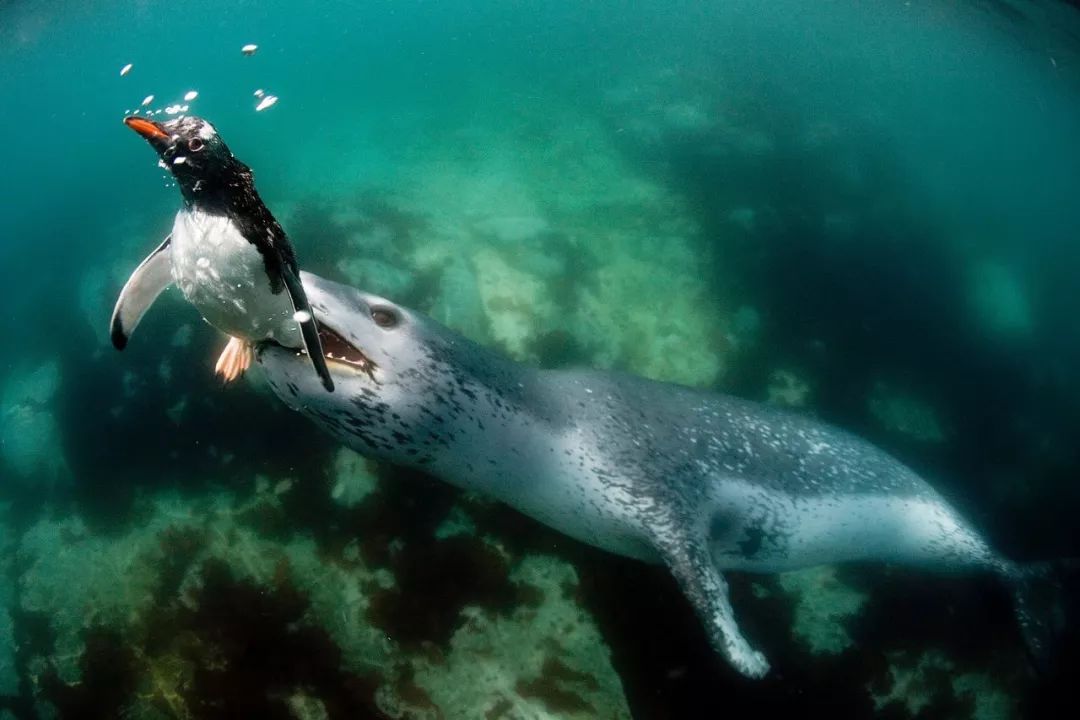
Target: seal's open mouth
[(339, 351)]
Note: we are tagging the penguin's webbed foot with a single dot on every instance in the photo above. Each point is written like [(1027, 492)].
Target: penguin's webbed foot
[(234, 359)]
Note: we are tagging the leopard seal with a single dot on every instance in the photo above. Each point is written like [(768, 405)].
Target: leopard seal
[(701, 482)]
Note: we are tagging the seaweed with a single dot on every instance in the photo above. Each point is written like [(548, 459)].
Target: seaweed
[(435, 581), (253, 653)]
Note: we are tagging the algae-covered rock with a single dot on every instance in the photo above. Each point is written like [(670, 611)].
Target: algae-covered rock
[(9, 678), (674, 337), (1000, 303), (823, 604), (517, 302), (31, 449), (526, 242), (79, 581), (787, 389), (353, 478), (175, 588), (917, 682), (544, 660), (904, 413), (389, 280)]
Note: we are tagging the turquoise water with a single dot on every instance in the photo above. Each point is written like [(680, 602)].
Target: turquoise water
[(863, 211)]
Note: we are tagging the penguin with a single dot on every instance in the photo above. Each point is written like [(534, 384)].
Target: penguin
[(226, 252)]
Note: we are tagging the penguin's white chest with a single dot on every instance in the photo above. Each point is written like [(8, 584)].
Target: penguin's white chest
[(224, 277)]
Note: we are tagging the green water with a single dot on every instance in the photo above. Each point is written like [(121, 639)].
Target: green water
[(866, 211)]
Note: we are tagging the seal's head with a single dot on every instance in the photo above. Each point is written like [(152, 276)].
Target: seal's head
[(191, 149), (403, 382)]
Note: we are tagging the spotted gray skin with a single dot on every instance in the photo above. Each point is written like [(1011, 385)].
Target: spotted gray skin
[(700, 482)]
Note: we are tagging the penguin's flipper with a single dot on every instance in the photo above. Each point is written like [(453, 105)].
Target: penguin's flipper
[(153, 275), (308, 328), (689, 560)]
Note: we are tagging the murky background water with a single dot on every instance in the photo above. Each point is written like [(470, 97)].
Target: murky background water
[(867, 211)]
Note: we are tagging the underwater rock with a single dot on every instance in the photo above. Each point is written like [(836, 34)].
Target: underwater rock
[(126, 583), (305, 707), (9, 678), (912, 684), (513, 231), (162, 589), (165, 371), (456, 522), (79, 581), (353, 478), (459, 305), (906, 414), (676, 340), (822, 605), (917, 683), (745, 327), (999, 301), (543, 661), (744, 218), (30, 444), (175, 412), (181, 337), (557, 252), (376, 276), (517, 302), (94, 303), (991, 701), (660, 107), (787, 389), (687, 117), (670, 108)]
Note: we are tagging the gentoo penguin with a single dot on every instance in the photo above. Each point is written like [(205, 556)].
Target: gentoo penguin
[(226, 252)]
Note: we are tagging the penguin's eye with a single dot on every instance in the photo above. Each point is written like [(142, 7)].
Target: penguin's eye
[(384, 318), (195, 145)]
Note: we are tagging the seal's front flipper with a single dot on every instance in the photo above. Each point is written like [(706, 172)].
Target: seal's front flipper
[(153, 275), (692, 566), (308, 329)]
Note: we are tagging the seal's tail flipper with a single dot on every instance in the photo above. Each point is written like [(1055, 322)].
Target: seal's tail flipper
[(1040, 601)]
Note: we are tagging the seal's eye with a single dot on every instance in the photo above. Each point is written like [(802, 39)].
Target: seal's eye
[(195, 144), (384, 318)]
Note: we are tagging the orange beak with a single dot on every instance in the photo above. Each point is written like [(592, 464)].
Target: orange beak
[(147, 128)]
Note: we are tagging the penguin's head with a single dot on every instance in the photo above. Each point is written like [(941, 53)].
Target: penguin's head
[(191, 149)]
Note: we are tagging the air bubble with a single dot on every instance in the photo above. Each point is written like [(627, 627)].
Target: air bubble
[(267, 101)]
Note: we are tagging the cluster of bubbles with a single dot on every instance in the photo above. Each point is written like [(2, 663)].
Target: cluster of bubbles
[(265, 100)]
